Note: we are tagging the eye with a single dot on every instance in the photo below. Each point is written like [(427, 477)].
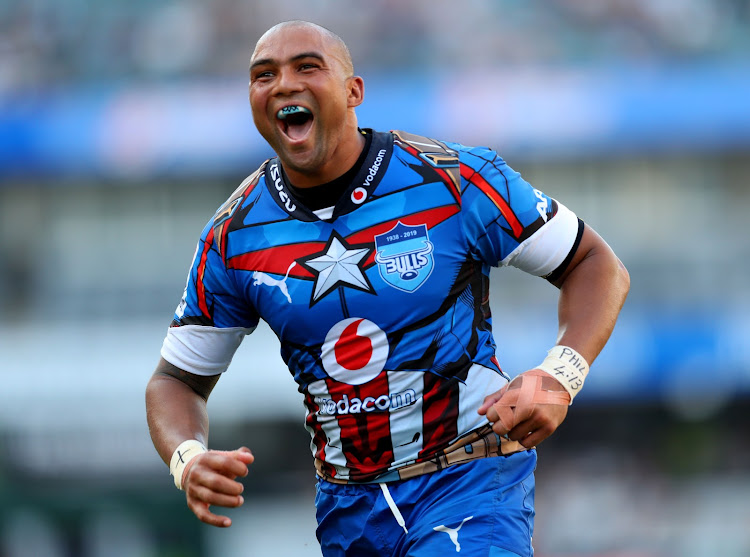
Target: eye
[(262, 75), (305, 66)]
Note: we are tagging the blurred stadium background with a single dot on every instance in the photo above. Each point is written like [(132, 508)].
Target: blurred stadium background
[(124, 124)]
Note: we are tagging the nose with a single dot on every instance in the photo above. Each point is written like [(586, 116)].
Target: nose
[(288, 81)]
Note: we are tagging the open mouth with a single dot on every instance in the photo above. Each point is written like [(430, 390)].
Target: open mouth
[(295, 121)]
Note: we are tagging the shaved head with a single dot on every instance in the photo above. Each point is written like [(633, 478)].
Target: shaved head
[(339, 48), (303, 94)]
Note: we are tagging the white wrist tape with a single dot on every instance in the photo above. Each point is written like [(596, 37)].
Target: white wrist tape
[(184, 453), (568, 367)]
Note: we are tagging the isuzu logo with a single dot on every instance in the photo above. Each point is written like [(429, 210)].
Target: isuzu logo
[(279, 185)]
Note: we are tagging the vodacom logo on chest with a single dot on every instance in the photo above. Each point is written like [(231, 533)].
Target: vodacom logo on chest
[(355, 351)]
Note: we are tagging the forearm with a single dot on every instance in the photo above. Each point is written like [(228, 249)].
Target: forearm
[(175, 412), (591, 298)]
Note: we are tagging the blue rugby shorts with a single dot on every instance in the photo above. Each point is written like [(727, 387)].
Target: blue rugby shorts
[(482, 508)]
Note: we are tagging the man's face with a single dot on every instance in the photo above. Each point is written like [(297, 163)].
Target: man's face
[(302, 98)]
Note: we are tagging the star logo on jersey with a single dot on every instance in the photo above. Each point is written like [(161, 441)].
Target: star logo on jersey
[(340, 264)]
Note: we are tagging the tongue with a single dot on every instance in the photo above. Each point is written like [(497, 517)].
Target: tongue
[(297, 131)]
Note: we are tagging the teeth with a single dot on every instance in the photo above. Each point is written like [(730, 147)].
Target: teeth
[(287, 110)]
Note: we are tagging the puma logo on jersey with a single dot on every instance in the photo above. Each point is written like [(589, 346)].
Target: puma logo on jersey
[(260, 277), (453, 532)]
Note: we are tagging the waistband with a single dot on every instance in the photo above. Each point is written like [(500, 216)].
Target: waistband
[(479, 443)]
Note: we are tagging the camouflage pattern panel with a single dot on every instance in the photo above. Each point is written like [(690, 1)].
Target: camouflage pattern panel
[(436, 154)]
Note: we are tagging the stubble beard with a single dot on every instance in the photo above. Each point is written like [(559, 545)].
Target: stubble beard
[(309, 161)]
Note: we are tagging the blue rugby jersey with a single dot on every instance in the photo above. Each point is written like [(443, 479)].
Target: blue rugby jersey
[(382, 310)]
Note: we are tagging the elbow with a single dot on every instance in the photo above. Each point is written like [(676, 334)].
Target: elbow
[(621, 280)]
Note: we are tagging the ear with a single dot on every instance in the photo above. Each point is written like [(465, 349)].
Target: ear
[(355, 91)]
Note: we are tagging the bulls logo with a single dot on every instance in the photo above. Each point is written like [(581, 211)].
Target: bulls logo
[(404, 256), (355, 351)]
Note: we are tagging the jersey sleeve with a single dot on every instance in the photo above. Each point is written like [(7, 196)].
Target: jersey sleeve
[(510, 223), (212, 318)]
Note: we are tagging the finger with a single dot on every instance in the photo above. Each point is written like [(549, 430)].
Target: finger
[(533, 431), (213, 480), (245, 453), (522, 430), (489, 400), (219, 483), (205, 515), (535, 438), (500, 428), (231, 464), (502, 418), (205, 495), (487, 404), (203, 473), (491, 414)]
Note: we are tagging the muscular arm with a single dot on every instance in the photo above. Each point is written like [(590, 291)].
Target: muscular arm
[(176, 411), (593, 289), (592, 292), (176, 407)]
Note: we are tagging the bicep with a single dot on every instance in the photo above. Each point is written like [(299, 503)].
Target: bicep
[(590, 244), (202, 385)]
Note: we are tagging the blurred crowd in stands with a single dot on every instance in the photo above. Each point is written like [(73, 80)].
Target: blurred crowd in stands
[(58, 42)]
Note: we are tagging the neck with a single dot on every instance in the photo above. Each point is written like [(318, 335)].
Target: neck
[(348, 151)]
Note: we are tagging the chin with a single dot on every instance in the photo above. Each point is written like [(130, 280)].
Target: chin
[(297, 163)]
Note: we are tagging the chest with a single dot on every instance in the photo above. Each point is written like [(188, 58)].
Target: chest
[(392, 261)]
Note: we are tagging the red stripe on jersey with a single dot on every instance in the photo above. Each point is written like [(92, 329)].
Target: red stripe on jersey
[(449, 182), (430, 217), (200, 286), (318, 435), (475, 178), (364, 421), (277, 259), (439, 413), (495, 361)]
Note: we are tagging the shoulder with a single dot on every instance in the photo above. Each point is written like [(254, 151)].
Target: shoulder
[(224, 216), (438, 151), (228, 208), (478, 157), (423, 145)]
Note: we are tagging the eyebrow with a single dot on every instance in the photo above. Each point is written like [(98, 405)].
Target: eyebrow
[(271, 61)]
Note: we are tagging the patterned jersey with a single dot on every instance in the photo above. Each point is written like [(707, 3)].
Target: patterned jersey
[(382, 309)]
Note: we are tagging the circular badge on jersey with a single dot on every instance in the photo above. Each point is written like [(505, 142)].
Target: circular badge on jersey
[(359, 195), (355, 351)]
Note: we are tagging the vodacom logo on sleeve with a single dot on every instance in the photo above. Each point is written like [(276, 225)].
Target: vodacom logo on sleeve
[(355, 351)]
